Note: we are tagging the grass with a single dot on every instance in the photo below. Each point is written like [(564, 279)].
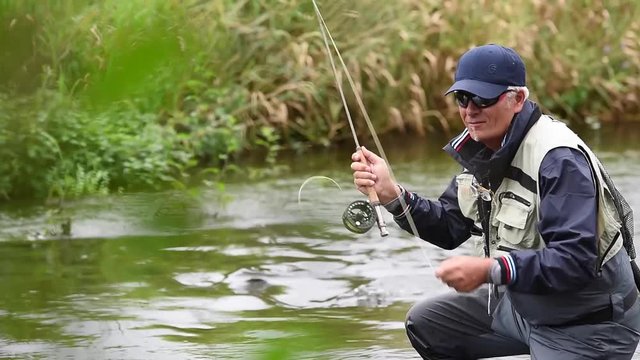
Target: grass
[(143, 94)]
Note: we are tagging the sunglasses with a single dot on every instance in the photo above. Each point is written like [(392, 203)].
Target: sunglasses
[(463, 98)]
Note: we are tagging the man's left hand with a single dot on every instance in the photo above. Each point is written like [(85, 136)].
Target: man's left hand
[(464, 273)]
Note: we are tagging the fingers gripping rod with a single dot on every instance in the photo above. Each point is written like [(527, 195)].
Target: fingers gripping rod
[(372, 195), (374, 201)]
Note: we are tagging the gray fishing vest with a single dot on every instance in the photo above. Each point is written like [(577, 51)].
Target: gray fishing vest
[(514, 213), (513, 220)]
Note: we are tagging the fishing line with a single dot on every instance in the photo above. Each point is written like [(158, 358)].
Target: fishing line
[(309, 179), (357, 217), (326, 36)]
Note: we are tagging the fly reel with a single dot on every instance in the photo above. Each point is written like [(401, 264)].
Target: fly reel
[(359, 217)]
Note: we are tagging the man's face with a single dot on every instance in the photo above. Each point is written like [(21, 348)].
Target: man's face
[(488, 125)]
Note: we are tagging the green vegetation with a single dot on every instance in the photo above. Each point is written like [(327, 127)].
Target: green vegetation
[(97, 96)]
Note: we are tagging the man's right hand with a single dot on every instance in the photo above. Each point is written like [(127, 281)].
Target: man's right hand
[(374, 173)]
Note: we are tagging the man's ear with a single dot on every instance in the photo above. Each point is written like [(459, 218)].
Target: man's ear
[(519, 101)]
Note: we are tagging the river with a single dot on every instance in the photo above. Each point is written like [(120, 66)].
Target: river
[(244, 272)]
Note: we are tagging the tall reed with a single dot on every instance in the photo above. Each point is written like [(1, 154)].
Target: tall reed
[(143, 93)]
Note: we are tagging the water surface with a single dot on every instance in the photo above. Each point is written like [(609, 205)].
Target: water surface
[(244, 273)]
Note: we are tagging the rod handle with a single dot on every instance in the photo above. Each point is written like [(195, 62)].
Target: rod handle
[(375, 201)]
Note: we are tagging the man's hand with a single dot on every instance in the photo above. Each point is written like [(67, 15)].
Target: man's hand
[(464, 273), (374, 173)]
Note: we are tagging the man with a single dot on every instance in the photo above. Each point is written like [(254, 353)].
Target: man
[(555, 280)]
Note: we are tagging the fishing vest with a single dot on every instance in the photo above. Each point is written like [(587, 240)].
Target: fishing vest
[(515, 204)]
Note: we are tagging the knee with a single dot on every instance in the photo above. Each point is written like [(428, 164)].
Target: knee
[(421, 330), (418, 323), (411, 318), (418, 316)]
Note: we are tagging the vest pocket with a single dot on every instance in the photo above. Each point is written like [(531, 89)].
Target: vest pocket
[(467, 196), (512, 219)]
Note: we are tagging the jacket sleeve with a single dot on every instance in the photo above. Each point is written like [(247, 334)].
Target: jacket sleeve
[(439, 222), (568, 226)]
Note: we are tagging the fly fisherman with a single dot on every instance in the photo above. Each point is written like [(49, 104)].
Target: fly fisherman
[(551, 276)]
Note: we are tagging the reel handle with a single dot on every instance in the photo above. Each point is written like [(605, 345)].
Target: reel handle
[(375, 201)]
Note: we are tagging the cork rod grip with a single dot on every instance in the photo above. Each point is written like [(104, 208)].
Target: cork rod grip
[(375, 201)]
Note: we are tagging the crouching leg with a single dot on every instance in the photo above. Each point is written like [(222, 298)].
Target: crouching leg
[(457, 326)]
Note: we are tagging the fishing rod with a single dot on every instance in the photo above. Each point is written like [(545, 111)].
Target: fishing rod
[(360, 216)]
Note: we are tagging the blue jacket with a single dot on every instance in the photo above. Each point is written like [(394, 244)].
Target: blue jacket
[(568, 211)]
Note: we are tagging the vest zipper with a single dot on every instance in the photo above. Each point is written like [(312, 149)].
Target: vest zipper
[(510, 195), (484, 210)]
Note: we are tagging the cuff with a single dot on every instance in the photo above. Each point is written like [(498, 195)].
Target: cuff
[(395, 206), (494, 274), (503, 271)]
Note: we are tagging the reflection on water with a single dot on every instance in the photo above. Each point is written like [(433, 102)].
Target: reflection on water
[(249, 274)]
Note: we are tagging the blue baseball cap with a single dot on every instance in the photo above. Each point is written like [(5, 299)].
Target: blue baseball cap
[(488, 70)]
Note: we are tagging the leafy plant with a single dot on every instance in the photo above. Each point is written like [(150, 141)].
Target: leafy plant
[(149, 94)]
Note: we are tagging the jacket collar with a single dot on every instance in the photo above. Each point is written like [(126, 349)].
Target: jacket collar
[(488, 166)]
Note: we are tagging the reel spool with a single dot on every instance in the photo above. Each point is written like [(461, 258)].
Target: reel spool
[(359, 217)]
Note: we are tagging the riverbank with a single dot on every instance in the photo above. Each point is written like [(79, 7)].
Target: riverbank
[(141, 95)]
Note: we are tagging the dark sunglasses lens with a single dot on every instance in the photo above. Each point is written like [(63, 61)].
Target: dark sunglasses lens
[(462, 99), (483, 103)]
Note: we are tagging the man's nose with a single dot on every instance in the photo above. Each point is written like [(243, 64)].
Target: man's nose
[(472, 108)]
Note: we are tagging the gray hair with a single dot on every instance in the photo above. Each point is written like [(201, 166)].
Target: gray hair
[(523, 89)]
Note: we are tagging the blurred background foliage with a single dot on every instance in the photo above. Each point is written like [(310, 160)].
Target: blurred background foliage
[(100, 96)]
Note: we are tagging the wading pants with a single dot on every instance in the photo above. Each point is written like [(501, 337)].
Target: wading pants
[(457, 326)]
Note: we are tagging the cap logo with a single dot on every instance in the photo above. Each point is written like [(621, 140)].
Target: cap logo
[(493, 68)]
